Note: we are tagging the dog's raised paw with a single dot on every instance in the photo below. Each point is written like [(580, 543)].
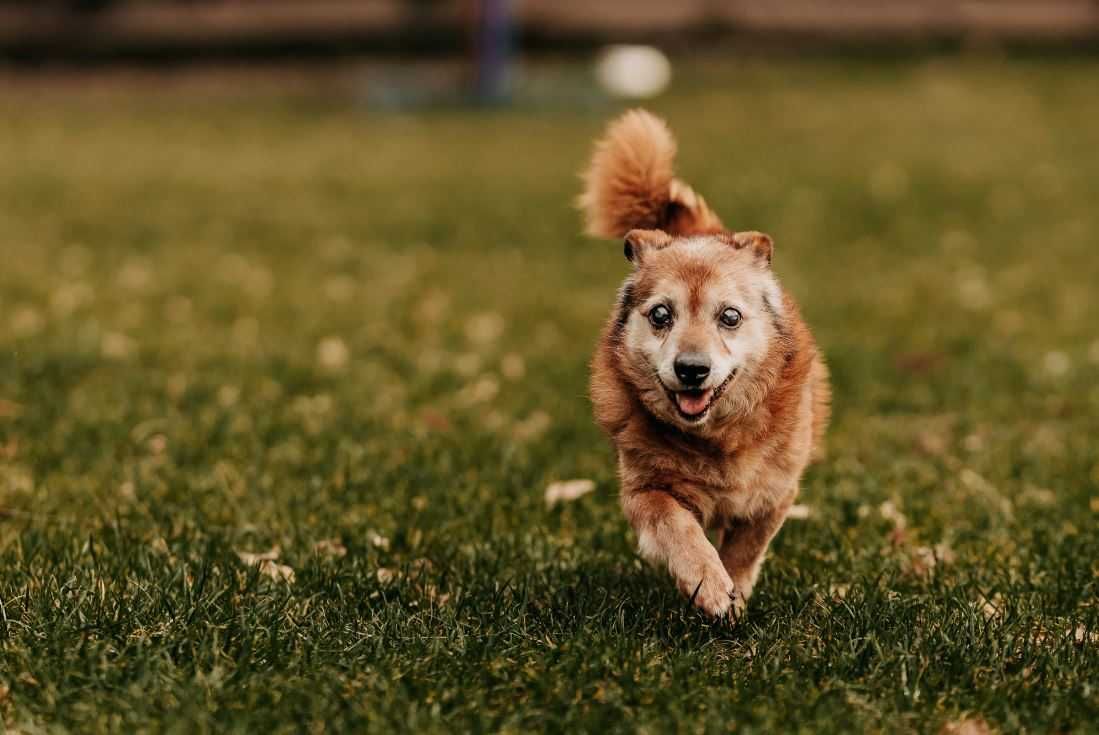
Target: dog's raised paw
[(715, 595)]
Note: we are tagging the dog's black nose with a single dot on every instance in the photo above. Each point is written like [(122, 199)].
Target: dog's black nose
[(692, 368)]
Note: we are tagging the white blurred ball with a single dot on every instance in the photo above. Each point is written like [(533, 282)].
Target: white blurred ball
[(633, 71)]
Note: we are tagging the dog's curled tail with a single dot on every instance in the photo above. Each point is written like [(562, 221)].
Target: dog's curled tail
[(630, 183)]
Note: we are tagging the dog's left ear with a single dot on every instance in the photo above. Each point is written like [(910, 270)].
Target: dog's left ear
[(761, 245)]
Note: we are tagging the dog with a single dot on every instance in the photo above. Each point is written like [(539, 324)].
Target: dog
[(707, 380)]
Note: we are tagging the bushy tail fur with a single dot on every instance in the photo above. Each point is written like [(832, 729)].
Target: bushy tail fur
[(630, 183)]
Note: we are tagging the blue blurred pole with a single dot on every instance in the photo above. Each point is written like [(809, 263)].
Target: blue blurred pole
[(494, 49)]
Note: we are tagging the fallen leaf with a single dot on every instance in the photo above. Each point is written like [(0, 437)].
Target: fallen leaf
[(931, 443), (435, 596), (567, 491), (891, 513), (277, 572), (1038, 496), (974, 292), (494, 420), (483, 389), (799, 512), (69, 297), (485, 327), (228, 395), (1056, 363), (385, 576), (1082, 635), (925, 558), (250, 558), (158, 443), (267, 565), (991, 607), (975, 442), (333, 354), (331, 547)]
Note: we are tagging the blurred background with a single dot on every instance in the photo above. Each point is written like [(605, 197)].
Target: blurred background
[(489, 38), (198, 195)]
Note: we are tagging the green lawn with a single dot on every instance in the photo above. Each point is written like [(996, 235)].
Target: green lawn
[(233, 325)]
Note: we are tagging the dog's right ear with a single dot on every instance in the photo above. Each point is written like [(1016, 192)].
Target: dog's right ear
[(639, 241)]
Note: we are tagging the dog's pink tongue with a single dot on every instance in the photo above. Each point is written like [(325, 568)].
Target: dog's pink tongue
[(693, 404)]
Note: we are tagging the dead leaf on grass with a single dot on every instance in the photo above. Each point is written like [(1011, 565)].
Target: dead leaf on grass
[(333, 354), (330, 547), (799, 512), (991, 607), (890, 512), (567, 491), (924, 559), (267, 565), (1082, 635)]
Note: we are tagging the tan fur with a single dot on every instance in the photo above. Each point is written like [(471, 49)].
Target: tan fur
[(630, 183), (737, 468)]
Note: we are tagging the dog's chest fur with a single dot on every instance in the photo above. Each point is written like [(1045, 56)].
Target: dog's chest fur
[(752, 472), (741, 469)]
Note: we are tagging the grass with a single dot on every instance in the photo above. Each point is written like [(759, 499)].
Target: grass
[(234, 325)]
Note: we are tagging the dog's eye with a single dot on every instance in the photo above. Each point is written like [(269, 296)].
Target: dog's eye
[(730, 318), (660, 316)]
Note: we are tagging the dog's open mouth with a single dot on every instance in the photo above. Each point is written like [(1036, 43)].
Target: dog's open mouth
[(693, 405)]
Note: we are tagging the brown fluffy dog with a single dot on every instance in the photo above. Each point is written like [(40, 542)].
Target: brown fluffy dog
[(705, 377)]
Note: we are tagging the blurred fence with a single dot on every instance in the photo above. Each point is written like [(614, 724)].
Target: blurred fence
[(88, 30)]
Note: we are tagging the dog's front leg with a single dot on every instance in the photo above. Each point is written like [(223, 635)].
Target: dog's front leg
[(669, 533), (743, 545)]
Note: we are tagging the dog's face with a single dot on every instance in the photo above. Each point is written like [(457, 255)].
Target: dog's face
[(698, 318)]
